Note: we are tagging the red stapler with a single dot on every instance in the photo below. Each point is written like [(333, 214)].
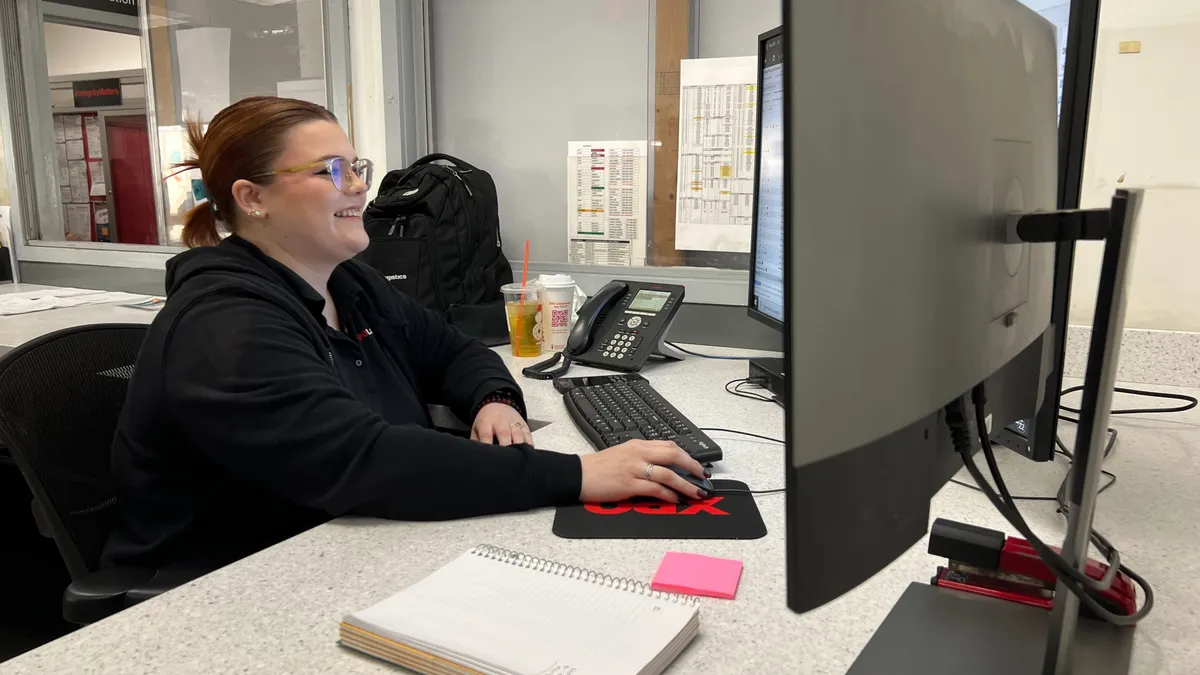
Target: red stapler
[(989, 563)]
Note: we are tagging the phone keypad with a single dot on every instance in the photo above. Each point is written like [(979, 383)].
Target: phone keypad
[(621, 345)]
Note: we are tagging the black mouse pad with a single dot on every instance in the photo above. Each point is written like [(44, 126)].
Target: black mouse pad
[(721, 516)]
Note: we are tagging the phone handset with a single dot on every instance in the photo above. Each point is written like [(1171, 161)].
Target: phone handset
[(583, 333)]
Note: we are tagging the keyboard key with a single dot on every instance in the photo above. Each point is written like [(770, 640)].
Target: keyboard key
[(589, 412)]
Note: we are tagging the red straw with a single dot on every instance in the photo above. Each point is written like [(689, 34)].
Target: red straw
[(525, 269), (524, 280)]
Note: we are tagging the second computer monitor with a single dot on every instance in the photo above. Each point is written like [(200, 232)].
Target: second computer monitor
[(766, 239), (916, 132)]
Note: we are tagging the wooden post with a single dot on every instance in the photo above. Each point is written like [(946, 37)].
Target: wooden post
[(671, 28), (160, 55)]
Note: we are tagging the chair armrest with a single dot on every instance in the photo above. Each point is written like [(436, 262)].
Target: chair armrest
[(161, 582), (101, 594)]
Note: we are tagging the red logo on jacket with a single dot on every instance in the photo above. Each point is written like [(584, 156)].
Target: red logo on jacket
[(364, 334)]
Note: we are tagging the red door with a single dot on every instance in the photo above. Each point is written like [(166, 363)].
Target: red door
[(132, 179)]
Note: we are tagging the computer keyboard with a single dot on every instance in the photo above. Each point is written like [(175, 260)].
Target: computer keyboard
[(612, 409)]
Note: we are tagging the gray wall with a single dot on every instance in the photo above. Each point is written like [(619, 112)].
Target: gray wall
[(732, 27), (514, 80)]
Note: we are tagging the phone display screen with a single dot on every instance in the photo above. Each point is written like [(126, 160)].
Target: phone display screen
[(649, 301)]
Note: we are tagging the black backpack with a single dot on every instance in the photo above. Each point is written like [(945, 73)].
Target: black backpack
[(435, 235)]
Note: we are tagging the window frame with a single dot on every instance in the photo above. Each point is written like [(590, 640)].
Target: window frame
[(34, 102)]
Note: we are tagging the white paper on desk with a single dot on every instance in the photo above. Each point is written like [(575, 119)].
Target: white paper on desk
[(312, 91), (203, 70), (60, 156), (57, 298), (77, 176), (60, 132), (74, 149), (92, 125), (79, 220), (72, 127), (715, 194), (96, 176), (606, 202)]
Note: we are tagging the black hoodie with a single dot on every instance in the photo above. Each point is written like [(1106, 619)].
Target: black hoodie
[(241, 428)]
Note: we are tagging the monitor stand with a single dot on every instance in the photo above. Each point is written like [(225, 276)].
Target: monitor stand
[(769, 373), (941, 631)]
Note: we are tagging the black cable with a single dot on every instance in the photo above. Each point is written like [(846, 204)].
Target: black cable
[(1018, 498), (1189, 401), (736, 391), (1047, 556), (743, 433), (1070, 577), (1057, 498), (735, 491), (709, 356), (985, 441)]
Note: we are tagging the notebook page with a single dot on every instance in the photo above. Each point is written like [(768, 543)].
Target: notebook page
[(504, 618)]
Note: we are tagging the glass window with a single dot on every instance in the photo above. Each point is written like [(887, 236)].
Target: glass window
[(96, 81), (582, 131), (117, 119), (207, 54)]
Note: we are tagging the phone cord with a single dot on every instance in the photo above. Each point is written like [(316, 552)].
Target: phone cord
[(541, 371)]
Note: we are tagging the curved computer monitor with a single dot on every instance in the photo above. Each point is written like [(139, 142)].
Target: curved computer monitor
[(766, 303), (914, 130)]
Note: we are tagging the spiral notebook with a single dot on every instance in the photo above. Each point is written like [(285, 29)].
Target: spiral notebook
[(498, 612)]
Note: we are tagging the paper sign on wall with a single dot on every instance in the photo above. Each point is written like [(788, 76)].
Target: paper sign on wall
[(92, 129), (79, 220), (77, 173), (72, 127), (96, 175), (715, 195), (606, 202)]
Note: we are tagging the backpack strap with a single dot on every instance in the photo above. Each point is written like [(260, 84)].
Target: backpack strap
[(428, 159)]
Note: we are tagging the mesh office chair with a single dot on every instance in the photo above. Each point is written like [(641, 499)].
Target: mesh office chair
[(60, 398)]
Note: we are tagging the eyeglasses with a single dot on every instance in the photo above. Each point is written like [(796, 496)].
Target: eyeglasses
[(337, 168)]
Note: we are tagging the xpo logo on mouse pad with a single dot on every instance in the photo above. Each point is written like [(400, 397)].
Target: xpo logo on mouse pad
[(720, 516)]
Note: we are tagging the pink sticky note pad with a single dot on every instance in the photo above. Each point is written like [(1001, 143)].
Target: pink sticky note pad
[(695, 574)]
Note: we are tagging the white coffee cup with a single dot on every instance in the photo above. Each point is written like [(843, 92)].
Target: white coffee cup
[(561, 300)]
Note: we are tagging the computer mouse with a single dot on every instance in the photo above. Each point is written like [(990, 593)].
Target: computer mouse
[(702, 483)]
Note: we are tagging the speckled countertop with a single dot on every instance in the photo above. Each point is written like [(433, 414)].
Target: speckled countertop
[(277, 612)]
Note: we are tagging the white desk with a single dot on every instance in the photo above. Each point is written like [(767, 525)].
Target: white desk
[(277, 611), (18, 328)]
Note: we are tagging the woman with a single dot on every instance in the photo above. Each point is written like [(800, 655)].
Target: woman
[(284, 384)]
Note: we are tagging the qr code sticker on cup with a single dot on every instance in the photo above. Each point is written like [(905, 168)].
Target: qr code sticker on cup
[(558, 318)]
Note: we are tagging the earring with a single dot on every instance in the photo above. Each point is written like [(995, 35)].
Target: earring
[(257, 213)]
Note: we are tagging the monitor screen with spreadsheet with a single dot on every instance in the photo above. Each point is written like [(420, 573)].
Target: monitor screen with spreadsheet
[(766, 248)]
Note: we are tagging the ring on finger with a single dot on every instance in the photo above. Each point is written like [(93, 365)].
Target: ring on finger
[(648, 472), (516, 425)]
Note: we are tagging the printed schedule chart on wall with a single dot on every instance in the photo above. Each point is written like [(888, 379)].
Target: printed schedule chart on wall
[(715, 204), (606, 202)]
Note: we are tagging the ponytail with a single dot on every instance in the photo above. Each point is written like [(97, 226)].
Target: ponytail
[(199, 223), (200, 227)]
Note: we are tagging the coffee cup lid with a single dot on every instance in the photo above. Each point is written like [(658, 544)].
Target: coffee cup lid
[(556, 280)]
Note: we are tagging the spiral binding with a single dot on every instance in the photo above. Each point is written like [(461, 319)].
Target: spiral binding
[(519, 559)]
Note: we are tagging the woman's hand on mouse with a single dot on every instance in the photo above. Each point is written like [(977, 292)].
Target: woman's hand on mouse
[(620, 472)]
